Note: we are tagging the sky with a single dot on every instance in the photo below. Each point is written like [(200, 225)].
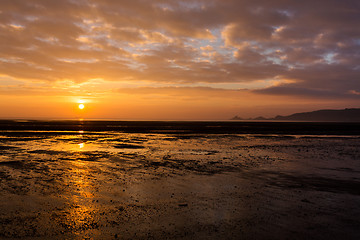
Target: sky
[(177, 60)]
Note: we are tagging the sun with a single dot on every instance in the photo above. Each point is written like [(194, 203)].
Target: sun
[(81, 106)]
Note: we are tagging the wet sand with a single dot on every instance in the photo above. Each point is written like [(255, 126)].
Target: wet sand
[(111, 185)]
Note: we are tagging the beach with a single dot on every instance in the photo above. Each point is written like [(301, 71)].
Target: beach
[(83, 182)]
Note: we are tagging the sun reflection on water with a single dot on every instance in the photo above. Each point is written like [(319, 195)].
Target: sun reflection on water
[(80, 137), (81, 212)]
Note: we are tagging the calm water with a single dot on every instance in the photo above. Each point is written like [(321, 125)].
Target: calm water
[(213, 127)]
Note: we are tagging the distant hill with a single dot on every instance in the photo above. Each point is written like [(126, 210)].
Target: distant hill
[(344, 115)]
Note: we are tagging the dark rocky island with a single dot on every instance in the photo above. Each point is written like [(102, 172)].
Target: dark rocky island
[(343, 115)]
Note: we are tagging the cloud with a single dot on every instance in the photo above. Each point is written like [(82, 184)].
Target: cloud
[(308, 93), (316, 45)]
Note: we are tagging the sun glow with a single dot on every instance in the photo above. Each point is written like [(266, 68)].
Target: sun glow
[(81, 106)]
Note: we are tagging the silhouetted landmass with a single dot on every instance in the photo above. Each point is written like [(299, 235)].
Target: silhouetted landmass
[(344, 115)]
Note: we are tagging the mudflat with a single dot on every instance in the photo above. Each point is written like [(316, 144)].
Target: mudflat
[(88, 184)]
